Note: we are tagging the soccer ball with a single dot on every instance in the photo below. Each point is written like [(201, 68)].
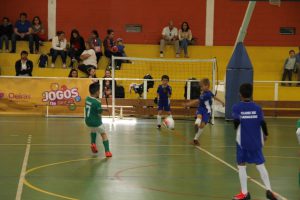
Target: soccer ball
[(169, 122)]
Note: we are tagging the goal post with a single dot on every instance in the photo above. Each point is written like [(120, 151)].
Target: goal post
[(180, 72)]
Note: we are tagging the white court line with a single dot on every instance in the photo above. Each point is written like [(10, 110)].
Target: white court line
[(23, 171), (235, 169)]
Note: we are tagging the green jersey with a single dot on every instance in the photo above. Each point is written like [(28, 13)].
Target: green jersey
[(93, 110)]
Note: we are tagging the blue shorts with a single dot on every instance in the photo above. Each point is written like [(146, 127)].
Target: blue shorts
[(205, 115), (249, 156), (164, 105)]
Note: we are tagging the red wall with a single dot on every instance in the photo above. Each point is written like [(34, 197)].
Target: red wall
[(153, 15), (13, 8), (264, 26), (86, 15)]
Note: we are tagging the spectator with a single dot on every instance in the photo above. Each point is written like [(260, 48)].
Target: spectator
[(185, 37), (107, 84), (121, 47), (59, 44), (170, 37), (24, 66), (22, 31), (89, 59), (121, 50), (38, 33), (92, 73), (289, 66), (96, 42), (6, 31), (110, 49), (298, 66), (76, 46), (73, 73)]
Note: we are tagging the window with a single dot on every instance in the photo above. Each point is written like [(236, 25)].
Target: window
[(287, 31), (133, 28)]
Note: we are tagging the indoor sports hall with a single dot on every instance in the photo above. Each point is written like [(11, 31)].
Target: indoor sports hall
[(171, 86)]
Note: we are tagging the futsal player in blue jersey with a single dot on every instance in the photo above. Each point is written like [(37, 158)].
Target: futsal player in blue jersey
[(204, 109), (251, 133), (164, 92)]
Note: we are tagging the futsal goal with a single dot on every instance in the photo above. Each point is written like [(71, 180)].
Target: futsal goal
[(183, 73)]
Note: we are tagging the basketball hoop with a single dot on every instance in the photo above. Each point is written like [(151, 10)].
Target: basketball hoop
[(275, 2)]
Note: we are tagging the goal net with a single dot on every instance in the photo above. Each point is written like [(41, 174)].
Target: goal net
[(133, 72)]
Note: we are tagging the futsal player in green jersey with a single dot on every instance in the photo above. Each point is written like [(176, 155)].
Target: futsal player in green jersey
[(93, 119)]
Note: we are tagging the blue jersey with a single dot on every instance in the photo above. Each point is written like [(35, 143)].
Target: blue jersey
[(164, 92), (249, 133), (206, 101), (23, 27)]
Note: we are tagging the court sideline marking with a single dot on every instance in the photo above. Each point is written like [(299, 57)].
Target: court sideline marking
[(235, 169), (23, 171)]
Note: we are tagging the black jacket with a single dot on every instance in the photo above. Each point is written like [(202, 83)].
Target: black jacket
[(28, 71), (6, 30), (81, 43)]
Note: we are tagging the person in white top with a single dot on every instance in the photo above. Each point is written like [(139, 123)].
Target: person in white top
[(185, 37), (89, 59), (59, 45), (169, 37)]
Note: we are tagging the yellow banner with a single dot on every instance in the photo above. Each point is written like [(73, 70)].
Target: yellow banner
[(34, 95)]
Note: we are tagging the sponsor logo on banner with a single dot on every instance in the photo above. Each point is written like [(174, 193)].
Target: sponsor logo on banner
[(62, 95), (19, 97)]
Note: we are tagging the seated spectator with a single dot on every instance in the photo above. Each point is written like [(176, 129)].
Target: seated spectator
[(59, 45), (110, 49), (24, 66), (22, 31), (6, 31), (73, 73), (92, 73), (185, 37), (76, 47), (169, 37), (121, 47), (107, 89), (107, 84), (289, 66), (38, 33), (298, 66), (89, 59), (96, 43)]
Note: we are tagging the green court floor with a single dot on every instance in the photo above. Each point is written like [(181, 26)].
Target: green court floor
[(147, 164)]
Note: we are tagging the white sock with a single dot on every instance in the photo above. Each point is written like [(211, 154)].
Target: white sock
[(264, 175), (171, 116), (158, 120), (200, 130), (243, 178)]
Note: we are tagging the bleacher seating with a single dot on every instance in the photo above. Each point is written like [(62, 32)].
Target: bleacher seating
[(267, 63)]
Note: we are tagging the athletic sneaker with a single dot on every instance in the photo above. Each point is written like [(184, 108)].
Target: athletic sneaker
[(108, 154), (242, 196), (158, 126), (94, 148), (270, 195), (196, 143)]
